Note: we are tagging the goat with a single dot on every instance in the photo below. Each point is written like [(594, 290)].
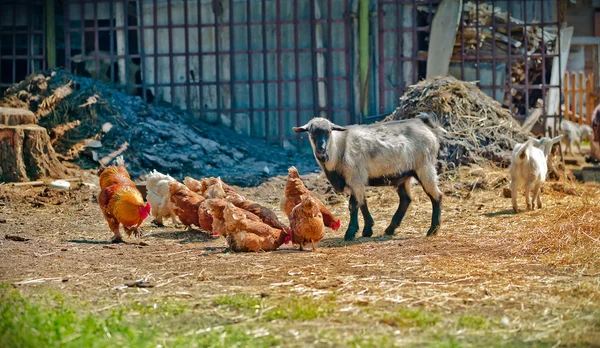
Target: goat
[(382, 154), (528, 169), (575, 133)]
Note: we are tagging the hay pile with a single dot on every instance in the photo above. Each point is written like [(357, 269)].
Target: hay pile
[(479, 129), (90, 123)]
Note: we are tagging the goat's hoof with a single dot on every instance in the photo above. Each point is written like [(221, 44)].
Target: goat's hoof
[(158, 223), (349, 236), (433, 230), (390, 231), (117, 239), (367, 231)]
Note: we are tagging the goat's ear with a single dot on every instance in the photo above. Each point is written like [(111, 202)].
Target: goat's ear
[(557, 139), (335, 127), (301, 129)]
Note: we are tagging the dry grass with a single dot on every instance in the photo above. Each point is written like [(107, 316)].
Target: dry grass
[(490, 276)]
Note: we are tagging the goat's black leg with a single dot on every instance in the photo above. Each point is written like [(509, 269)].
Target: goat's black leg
[(404, 195), (436, 215), (353, 225), (428, 179), (368, 229)]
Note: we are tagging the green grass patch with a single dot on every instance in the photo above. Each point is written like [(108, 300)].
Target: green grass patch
[(406, 317), (301, 308), (380, 341), (242, 302), (52, 322), (473, 322), (25, 324)]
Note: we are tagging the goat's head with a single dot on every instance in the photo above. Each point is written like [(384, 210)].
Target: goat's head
[(545, 144), (319, 130)]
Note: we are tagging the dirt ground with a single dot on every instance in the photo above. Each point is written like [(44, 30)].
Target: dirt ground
[(533, 275)]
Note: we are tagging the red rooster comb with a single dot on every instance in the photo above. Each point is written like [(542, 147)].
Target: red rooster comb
[(336, 225)]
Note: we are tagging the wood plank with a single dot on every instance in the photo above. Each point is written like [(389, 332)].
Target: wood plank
[(558, 70), (581, 92), (443, 35)]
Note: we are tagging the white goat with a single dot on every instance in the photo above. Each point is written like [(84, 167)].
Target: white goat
[(528, 169), (575, 133)]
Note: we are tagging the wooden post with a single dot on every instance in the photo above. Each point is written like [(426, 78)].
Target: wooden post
[(363, 56), (589, 98), (581, 91), (567, 97), (50, 34), (573, 86), (120, 23)]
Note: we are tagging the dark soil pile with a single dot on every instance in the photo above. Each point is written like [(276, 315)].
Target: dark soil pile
[(89, 121), (479, 129)]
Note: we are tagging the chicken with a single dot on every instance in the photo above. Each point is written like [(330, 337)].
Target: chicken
[(294, 189), (216, 207), (157, 185), (246, 234), (185, 203), (204, 215), (306, 222), (200, 186), (121, 202), (218, 189)]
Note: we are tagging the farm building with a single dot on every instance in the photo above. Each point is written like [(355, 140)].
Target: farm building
[(262, 67)]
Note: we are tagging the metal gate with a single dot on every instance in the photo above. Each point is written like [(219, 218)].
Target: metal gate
[(515, 76), (22, 40), (259, 67)]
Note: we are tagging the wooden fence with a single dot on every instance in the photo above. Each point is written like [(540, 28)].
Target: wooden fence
[(580, 97)]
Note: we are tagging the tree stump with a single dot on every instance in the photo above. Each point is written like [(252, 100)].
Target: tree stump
[(26, 154), (14, 116)]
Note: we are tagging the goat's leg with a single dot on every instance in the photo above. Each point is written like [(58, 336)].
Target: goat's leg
[(528, 197), (369, 222), (537, 195), (513, 195), (353, 225), (404, 195), (579, 147), (428, 179)]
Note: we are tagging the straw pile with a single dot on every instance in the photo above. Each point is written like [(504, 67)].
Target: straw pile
[(478, 129)]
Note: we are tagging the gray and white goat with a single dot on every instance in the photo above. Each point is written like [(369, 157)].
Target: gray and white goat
[(383, 154)]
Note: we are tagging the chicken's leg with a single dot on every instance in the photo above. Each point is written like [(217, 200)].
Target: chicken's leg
[(113, 224), (314, 247)]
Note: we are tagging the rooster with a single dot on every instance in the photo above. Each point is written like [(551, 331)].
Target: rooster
[(294, 189), (246, 234), (120, 201), (185, 203), (157, 185), (306, 222)]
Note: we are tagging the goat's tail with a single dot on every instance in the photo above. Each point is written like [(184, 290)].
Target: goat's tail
[(521, 154), (431, 120)]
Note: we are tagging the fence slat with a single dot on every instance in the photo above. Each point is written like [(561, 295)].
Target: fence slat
[(579, 97)]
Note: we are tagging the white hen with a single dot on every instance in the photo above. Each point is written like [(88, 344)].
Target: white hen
[(157, 185)]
